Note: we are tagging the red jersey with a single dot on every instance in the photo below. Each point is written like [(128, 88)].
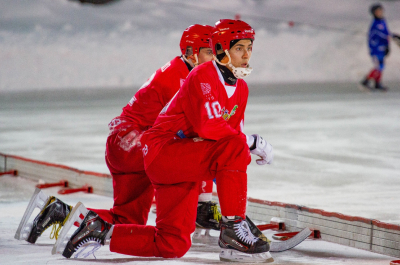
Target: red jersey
[(204, 107), (144, 107)]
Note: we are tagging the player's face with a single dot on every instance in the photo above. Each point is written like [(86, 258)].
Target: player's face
[(379, 13), (240, 53), (205, 55)]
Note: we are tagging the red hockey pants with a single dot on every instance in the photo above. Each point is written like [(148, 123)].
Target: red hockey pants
[(133, 192), (175, 173)]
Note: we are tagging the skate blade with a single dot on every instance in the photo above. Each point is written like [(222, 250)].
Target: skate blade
[(365, 89), (38, 200), (74, 217), (232, 255), (204, 238)]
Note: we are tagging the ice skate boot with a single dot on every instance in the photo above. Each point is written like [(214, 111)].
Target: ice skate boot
[(208, 217), (240, 245), (92, 232), (364, 85), (75, 218), (256, 231), (379, 87), (54, 213)]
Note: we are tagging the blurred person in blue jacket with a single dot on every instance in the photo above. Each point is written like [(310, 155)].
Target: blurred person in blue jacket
[(378, 41)]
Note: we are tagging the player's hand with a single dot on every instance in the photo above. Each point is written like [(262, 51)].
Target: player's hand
[(387, 51), (263, 149)]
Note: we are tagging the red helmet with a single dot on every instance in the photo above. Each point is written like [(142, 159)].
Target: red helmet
[(226, 30), (196, 36)]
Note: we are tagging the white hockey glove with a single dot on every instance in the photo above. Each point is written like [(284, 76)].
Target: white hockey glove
[(263, 149)]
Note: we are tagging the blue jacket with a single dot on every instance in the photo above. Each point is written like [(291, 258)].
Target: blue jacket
[(378, 37)]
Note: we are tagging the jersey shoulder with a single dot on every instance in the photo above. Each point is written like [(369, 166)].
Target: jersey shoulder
[(174, 68), (170, 75), (378, 24)]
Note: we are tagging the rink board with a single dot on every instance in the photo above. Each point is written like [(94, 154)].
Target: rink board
[(51, 173), (352, 231), (357, 232)]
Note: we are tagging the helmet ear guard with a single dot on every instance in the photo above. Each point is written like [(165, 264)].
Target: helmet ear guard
[(193, 64), (189, 52)]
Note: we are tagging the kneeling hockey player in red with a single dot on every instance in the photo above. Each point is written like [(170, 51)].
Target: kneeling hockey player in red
[(133, 191), (197, 136)]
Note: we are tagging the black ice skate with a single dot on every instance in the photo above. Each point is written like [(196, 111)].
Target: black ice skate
[(92, 229), (55, 213), (50, 212), (379, 87), (239, 244), (364, 85), (208, 217)]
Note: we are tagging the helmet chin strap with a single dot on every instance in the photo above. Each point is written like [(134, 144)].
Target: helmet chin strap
[(238, 72), (196, 63)]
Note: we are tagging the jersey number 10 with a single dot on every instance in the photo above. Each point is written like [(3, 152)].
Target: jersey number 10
[(216, 109)]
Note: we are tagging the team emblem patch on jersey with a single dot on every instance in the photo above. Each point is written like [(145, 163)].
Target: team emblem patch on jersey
[(225, 113), (206, 88)]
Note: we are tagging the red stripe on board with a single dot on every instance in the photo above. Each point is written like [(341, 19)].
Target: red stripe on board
[(386, 225), (311, 210), (59, 166), (338, 215)]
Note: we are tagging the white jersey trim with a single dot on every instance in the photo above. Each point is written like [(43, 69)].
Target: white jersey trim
[(230, 90)]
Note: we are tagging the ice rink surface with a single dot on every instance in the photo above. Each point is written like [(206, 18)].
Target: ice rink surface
[(336, 149), (15, 193)]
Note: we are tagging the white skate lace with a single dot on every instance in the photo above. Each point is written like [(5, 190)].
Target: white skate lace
[(94, 242), (243, 232)]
